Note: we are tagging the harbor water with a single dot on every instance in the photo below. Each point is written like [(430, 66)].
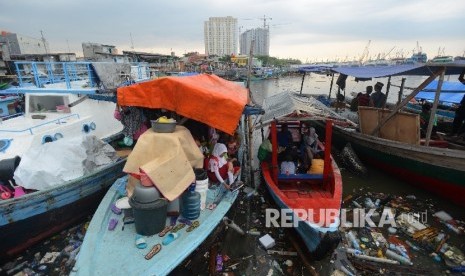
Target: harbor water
[(242, 254)]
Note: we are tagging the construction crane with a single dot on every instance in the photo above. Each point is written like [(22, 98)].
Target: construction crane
[(264, 18), (264, 21), (365, 53)]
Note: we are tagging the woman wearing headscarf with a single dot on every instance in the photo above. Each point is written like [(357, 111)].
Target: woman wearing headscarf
[(219, 168), (310, 142)]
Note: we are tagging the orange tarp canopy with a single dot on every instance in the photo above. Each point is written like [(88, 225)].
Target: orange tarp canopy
[(205, 98)]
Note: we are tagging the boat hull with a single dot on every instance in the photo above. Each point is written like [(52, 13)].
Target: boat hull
[(27, 220), (440, 171), (313, 235), (106, 252)]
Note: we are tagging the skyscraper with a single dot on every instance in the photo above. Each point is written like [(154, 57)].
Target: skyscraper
[(261, 46), (220, 34)]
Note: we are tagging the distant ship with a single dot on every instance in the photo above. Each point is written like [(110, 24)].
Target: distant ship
[(442, 59), (418, 57)]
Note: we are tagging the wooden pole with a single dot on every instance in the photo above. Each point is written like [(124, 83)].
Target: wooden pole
[(388, 87), (401, 91), (302, 84), (433, 110), (274, 152), (249, 119), (327, 162), (407, 99), (331, 86)]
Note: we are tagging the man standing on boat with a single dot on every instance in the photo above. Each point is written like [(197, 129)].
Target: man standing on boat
[(378, 98)]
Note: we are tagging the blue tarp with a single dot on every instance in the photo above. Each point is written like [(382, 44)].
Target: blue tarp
[(367, 72), (451, 92)]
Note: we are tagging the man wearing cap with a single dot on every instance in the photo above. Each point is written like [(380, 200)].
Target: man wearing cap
[(378, 99)]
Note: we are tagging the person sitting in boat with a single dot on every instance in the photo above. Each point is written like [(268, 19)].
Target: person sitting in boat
[(378, 98), (310, 145), (233, 145), (288, 165), (424, 119), (364, 99), (284, 141), (134, 123), (220, 169), (354, 102)]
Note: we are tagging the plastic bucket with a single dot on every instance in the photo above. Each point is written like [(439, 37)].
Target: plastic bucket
[(149, 218)]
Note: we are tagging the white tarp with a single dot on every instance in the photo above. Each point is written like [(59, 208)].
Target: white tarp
[(52, 164)]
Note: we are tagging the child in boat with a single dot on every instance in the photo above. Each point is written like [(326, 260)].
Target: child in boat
[(310, 144), (220, 169), (288, 165)]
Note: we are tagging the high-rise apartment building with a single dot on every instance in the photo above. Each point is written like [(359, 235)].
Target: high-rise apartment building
[(220, 34), (261, 45)]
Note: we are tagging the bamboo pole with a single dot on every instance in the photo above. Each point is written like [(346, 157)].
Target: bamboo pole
[(432, 114), (274, 152), (302, 84), (249, 119), (407, 99), (401, 91), (327, 162), (388, 87), (331, 86)]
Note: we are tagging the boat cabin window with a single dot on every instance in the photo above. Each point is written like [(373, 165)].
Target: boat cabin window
[(48, 103)]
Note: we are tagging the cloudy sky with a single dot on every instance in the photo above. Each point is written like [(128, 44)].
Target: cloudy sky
[(308, 30)]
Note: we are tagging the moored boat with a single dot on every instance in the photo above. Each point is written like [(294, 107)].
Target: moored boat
[(58, 111), (191, 98), (391, 140), (313, 197)]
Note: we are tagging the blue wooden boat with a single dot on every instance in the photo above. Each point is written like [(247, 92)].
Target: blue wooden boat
[(107, 252), (114, 252), (41, 213)]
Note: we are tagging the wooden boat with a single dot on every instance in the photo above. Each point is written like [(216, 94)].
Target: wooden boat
[(41, 213), (319, 189), (114, 252), (387, 142)]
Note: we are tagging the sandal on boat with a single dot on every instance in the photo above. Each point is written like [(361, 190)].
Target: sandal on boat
[(112, 224), (211, 206), (194, 225), (170, 238), (178, 227), (115, 209), (140, 242), (165, 231), (155, 249), (185, 221)]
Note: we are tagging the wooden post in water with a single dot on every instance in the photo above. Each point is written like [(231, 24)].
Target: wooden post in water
[(327, 163), (432, 114), (401, 91), (388, 87), (331, 86), (302, 84), (274, 152), (407, 99)]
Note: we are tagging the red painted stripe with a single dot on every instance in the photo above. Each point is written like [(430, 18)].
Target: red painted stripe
[(444, 189)]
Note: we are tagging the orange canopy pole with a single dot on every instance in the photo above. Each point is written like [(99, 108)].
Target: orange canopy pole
[(327, 164), (274, 151)]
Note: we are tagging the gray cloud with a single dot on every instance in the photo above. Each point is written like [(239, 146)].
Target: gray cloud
[(299, 28)]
